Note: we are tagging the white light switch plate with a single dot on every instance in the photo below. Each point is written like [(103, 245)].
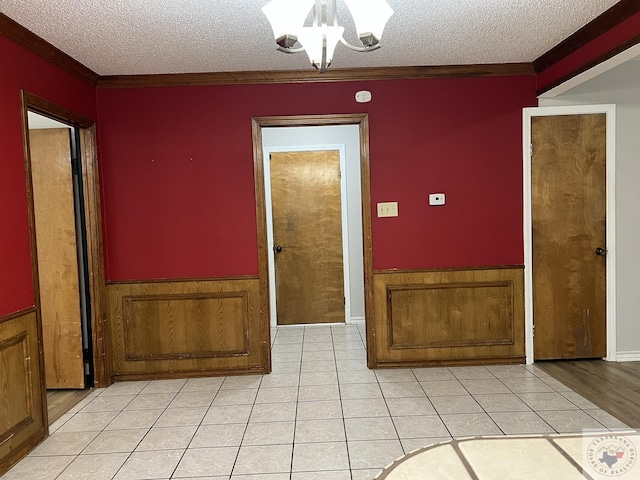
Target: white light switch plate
[(388, 209), (436, 199)]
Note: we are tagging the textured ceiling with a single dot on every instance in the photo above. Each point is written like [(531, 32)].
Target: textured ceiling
[(124, 37)]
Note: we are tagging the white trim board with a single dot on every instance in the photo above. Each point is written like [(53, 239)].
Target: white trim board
[(628, 357), (528, 114)]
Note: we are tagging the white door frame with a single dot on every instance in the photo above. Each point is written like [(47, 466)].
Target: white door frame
[(269, 210), (528, 114)]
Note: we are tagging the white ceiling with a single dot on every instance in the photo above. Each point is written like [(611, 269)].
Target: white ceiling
[(125, 37)]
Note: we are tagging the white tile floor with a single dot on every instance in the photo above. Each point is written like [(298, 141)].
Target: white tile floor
[(320, 415)]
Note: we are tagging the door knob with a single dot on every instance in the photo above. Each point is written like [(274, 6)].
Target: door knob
[(601, 251), (277, 249)]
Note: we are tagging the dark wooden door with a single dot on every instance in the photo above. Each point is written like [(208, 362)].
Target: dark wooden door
[(307, 232), (568, 177)]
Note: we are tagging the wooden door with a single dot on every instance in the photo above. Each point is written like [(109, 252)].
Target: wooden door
[(22, 416), (307, 232), (57, 257), (568, 177)]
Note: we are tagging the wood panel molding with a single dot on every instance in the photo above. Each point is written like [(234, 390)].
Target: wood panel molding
[(19, 313), (138, 316), (449, 317), (23, 415), (408, 303), (35, 44), (448, 269), (180, 280), (169, 329), (312, 76), (605, 22)]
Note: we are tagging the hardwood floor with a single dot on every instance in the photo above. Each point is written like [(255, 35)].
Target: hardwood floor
[(614, 387), (60, 402)]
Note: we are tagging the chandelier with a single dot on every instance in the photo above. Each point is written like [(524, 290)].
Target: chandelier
[(288, 17)]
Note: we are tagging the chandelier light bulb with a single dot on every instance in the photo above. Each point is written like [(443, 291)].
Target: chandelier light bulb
[(370, 17), (287, 19)]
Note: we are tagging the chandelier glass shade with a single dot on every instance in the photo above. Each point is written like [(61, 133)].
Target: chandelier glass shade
[(288, 17)]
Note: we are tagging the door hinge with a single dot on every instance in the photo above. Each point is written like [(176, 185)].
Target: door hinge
[(534, 331), (344, 300), (531, 150), (74, 166)]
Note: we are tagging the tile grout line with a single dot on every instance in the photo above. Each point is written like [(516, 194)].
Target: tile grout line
[(295, 417), (197, 426), (246, 427), (344, 421), (105, 429)]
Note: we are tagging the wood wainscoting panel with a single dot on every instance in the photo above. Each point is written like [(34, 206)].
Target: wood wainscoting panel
[(449, 317), (186, 328), (22, 417)]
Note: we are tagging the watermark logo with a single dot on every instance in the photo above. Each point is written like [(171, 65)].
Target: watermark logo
[(611, 455)]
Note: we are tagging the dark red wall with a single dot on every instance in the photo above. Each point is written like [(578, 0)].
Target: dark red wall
[(177, 168), (601, 45), (23, 70)]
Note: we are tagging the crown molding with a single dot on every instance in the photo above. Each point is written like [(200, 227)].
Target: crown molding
[(30, 41), (617, 14), (312, 76)]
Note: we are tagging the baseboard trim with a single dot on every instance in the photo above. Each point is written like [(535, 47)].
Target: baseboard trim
[(121, 377), (454, 362), (356, 321), (628, 357)]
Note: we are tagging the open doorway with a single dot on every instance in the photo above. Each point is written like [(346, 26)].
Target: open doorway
[(67, 260), (359, 122), (61, 241)]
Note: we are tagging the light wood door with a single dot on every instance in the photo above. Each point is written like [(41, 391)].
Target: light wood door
[(22, 418), (307, 232), (57, 257), (568, 170)]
